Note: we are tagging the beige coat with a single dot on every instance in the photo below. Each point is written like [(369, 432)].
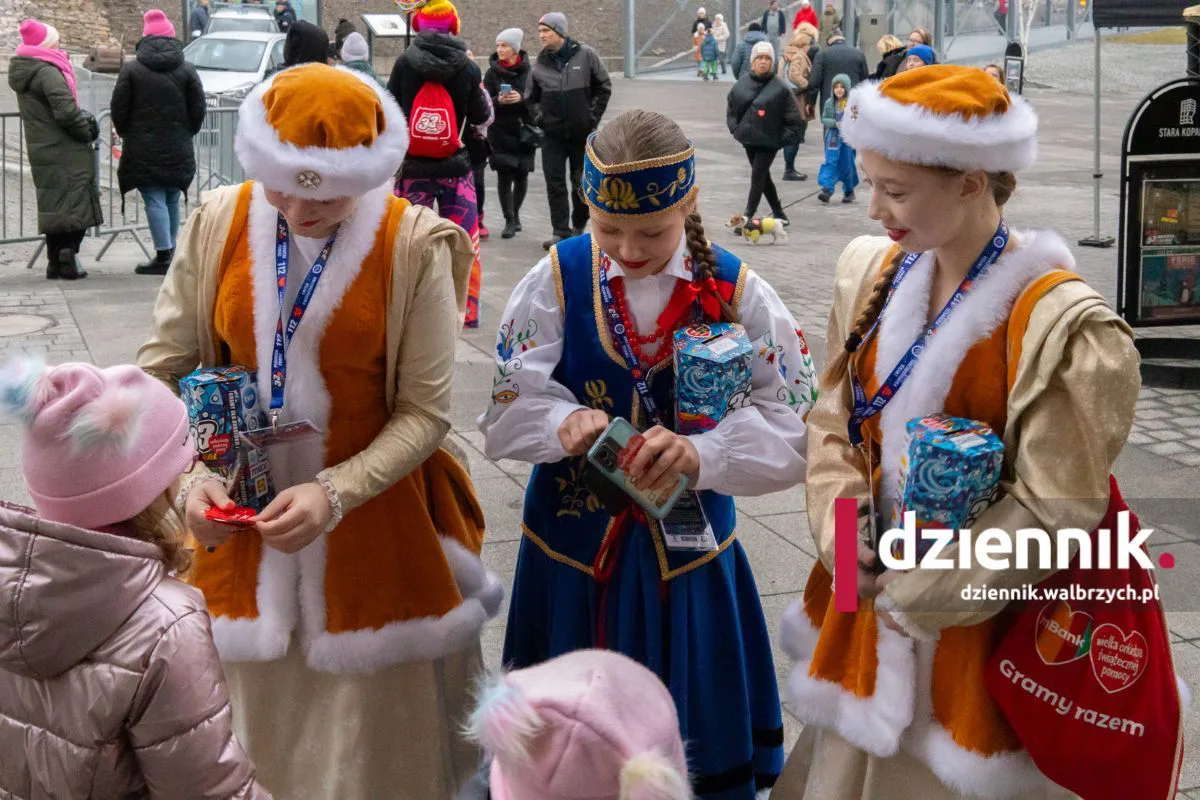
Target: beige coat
[(184, 337), (110, 685), (1074, 391)]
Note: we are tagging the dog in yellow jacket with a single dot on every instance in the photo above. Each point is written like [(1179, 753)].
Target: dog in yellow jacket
[(755, 228)]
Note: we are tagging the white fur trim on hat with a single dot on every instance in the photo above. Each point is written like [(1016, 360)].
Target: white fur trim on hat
[(344, 172), (915, 135)]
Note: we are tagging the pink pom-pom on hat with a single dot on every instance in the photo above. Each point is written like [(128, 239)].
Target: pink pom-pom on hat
[(100, 444), (593, 723), (38, 34)]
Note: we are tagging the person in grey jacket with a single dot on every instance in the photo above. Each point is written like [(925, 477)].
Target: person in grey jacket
[(569, 90), (837, 58), (741, 54), (110, 684)]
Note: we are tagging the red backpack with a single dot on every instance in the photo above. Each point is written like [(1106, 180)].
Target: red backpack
[(433, 129)]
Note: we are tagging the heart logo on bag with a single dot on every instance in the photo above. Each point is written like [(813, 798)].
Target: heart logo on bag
[(1118, 658), (1062, 635)]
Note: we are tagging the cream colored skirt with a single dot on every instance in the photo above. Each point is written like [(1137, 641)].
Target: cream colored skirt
[(824, 766), (394, 734)]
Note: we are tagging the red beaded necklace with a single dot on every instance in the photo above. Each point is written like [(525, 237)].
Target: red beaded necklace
[(672, 318)]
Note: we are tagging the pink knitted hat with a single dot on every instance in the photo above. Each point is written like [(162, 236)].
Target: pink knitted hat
[(100, 444), (38, 34), (155, 23), (592, 723)]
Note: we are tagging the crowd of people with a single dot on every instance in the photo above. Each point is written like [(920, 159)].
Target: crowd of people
[(329, 644)]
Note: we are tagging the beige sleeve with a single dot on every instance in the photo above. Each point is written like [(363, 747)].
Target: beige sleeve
[(1076, 398), (173, 349), (424, 374), (835, 468)]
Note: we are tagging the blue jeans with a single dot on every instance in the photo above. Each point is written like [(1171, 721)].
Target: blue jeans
[(162, 212)]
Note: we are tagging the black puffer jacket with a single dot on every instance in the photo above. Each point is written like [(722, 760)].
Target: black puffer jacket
[(440, 58), (762, 112), (504, 134), (157, 107)]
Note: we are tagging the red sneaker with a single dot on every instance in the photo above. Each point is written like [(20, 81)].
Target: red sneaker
[(483, 232)]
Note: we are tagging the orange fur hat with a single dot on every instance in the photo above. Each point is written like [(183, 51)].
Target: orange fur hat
[(320, 132), (943, 116)]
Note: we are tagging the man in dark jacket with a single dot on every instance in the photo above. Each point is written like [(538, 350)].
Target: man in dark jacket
[(438, 56), (741, 55), (763, 117), (774, 25), (568, 96), (199, 18), (285, 15), (701, 19), (157, 108), (838, 58), (58, 136)]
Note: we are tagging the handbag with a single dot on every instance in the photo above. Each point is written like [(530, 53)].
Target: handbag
[(530, 136)]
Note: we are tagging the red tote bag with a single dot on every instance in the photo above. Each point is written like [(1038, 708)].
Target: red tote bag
[(1089, 685)]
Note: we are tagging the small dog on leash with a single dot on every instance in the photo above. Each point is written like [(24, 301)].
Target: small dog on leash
[(755, 228)]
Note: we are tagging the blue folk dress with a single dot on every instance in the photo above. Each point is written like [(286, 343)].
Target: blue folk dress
[(694, 618)]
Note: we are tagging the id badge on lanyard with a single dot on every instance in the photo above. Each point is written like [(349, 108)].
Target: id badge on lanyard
[(292, 433)]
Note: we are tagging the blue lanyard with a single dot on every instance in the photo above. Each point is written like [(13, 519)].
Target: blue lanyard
[(619, 334), (283, 334), (864, 410)]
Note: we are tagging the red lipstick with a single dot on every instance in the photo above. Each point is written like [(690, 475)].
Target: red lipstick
[(896, 234), (635, 264)]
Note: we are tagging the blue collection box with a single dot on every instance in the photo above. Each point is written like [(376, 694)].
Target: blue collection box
[(222, 403), (949, 474), (712, 374)]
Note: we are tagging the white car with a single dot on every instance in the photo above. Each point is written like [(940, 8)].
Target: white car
[(231, 64), (241, 19)]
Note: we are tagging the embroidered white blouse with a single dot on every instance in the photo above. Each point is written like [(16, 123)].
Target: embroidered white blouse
[(757, 449)]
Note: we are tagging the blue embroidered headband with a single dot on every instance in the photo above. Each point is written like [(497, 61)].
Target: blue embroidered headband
[(640, 188)]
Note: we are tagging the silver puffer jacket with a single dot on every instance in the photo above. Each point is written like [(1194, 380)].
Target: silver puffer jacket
[(110, 685)]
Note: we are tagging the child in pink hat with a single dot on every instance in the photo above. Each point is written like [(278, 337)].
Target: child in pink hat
[(108, 672), (589, 724)]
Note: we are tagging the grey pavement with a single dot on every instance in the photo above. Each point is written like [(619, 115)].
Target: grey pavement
[(105, 318)]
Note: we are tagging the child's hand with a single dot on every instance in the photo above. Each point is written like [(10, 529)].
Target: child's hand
[(295, 518), (201, 498), (867, 585), (581, 429), (663, 458)]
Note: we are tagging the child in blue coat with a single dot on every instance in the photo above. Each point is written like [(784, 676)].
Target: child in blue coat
[(839, 156), (710, 53)]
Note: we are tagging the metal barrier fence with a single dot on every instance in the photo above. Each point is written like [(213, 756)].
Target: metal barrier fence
[(216, 165)]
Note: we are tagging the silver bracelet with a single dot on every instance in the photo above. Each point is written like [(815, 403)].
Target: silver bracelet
[(335, 501)]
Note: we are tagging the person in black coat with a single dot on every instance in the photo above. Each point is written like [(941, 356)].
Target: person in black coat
[(285, 15), (511, 158), (892, 53), (763, 116), (157, 108), (836, 58)]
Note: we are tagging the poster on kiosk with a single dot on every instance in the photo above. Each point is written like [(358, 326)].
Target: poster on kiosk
[(1160, 208)]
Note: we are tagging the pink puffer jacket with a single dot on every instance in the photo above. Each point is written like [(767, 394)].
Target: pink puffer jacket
[(110, 685)]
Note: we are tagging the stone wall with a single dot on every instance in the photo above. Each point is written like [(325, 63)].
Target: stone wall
[(82, 24)]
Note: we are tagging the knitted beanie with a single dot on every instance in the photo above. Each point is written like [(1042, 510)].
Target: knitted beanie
[(38, 34), (762, 49), (555, 21), (100, 444), (355, 48), (437, 16), (513, 37), (155, 23)]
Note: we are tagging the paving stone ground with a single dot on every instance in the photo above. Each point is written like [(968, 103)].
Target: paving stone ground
[(105, 318)]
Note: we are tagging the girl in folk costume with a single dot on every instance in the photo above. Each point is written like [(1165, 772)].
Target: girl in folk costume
[(893, 695), (587, 337), (350, 638)]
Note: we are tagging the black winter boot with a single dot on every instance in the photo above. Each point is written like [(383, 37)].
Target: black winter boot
[(53, 268), (69, 268), (158, 265)]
